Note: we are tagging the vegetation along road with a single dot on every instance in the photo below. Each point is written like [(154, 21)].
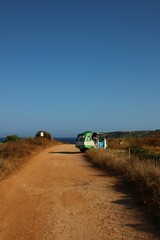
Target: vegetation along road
[(58, 195)]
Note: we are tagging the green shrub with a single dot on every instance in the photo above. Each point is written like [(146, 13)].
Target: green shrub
[(11, 138), (46, 135), (143, 154)]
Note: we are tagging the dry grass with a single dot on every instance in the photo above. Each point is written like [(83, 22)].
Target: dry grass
[(149, 143), (14, 154), (143, 175)]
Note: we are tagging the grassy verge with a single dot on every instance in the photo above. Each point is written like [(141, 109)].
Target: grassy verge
[(14, 154), (143, 175)]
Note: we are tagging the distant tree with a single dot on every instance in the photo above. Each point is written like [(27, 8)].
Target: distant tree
[(43, 134), (12, 138)]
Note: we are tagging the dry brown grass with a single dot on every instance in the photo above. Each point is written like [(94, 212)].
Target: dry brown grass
[(14, 154), (143, 175), (149, 143)]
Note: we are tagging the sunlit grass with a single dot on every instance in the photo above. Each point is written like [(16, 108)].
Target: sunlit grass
[(15, 153)]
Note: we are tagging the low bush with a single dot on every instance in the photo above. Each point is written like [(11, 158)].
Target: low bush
[(45, 134), (12, 138), (143, 153)]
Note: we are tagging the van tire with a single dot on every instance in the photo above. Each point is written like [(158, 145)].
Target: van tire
[(83, 150)]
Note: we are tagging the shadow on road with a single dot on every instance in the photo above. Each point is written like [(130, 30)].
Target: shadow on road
[(64, 152), (130, 201)]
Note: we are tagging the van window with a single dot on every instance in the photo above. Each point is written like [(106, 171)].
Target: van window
[(80, 138)]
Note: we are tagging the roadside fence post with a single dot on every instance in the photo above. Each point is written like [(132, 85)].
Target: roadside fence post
[(129, 153)]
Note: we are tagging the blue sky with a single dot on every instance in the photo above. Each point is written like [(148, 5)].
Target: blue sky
[(68, 66)]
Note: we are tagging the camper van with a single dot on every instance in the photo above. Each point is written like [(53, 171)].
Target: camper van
[(88, 140)]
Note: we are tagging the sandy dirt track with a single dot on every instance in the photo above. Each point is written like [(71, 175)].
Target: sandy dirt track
[(58, 195)]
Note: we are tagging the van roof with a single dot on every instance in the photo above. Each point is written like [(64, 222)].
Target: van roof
[(89, 133)]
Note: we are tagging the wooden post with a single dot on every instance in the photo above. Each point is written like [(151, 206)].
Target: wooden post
[(129, 153)]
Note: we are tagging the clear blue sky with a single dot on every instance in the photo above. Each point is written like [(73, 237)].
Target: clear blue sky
[(68, 66)]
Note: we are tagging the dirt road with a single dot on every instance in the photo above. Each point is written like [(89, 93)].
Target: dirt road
[(58, 195)]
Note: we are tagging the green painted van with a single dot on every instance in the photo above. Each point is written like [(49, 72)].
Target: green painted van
[(88, 140)]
